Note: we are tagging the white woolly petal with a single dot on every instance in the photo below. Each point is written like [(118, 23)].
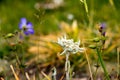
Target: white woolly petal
[(81, 49), (69, 45), (63, 52)]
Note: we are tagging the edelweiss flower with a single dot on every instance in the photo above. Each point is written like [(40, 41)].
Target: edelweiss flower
[(69, 45)]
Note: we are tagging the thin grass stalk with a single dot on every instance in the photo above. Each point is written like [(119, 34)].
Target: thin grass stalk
[(118, 61), (15, 75), (95, 74), (33, 78), (88, 65), (2, 78), (46, 76), (89, 13), (62, 77), (102, 63), (86, 7), (17, 59), (97, 67), (27, 76), (112, 3), (0, 29), (38, 50)]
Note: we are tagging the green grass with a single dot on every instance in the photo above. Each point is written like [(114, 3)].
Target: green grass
[(49, 21), (10, 14)]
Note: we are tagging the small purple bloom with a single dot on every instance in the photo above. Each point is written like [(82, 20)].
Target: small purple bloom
[(102, 25), (26, 26), (102, 29)]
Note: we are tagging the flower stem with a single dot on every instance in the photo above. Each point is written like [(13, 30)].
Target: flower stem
[(54, 73), (102, 64), (67, 67)]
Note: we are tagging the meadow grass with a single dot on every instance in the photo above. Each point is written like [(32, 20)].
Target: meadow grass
[(41, 51)]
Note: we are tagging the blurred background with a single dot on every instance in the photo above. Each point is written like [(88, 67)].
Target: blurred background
[(51, 19)]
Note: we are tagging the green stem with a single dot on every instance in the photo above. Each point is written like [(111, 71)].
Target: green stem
[(17, 59), (102, 64), (23, 56), (0, 27), (118, 61), (95, 73), (97, 67), (86, 7)]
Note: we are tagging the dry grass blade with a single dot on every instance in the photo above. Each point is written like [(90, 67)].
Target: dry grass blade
[(45, 75), (88, 64), (27, 76), (62, 77), (1, 79), (16, 77)]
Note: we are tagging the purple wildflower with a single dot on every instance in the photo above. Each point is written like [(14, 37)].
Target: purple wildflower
[(26, 26), (103, 26), (102, 29)]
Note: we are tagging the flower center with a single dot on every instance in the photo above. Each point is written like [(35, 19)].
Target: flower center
[(24, 28)]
